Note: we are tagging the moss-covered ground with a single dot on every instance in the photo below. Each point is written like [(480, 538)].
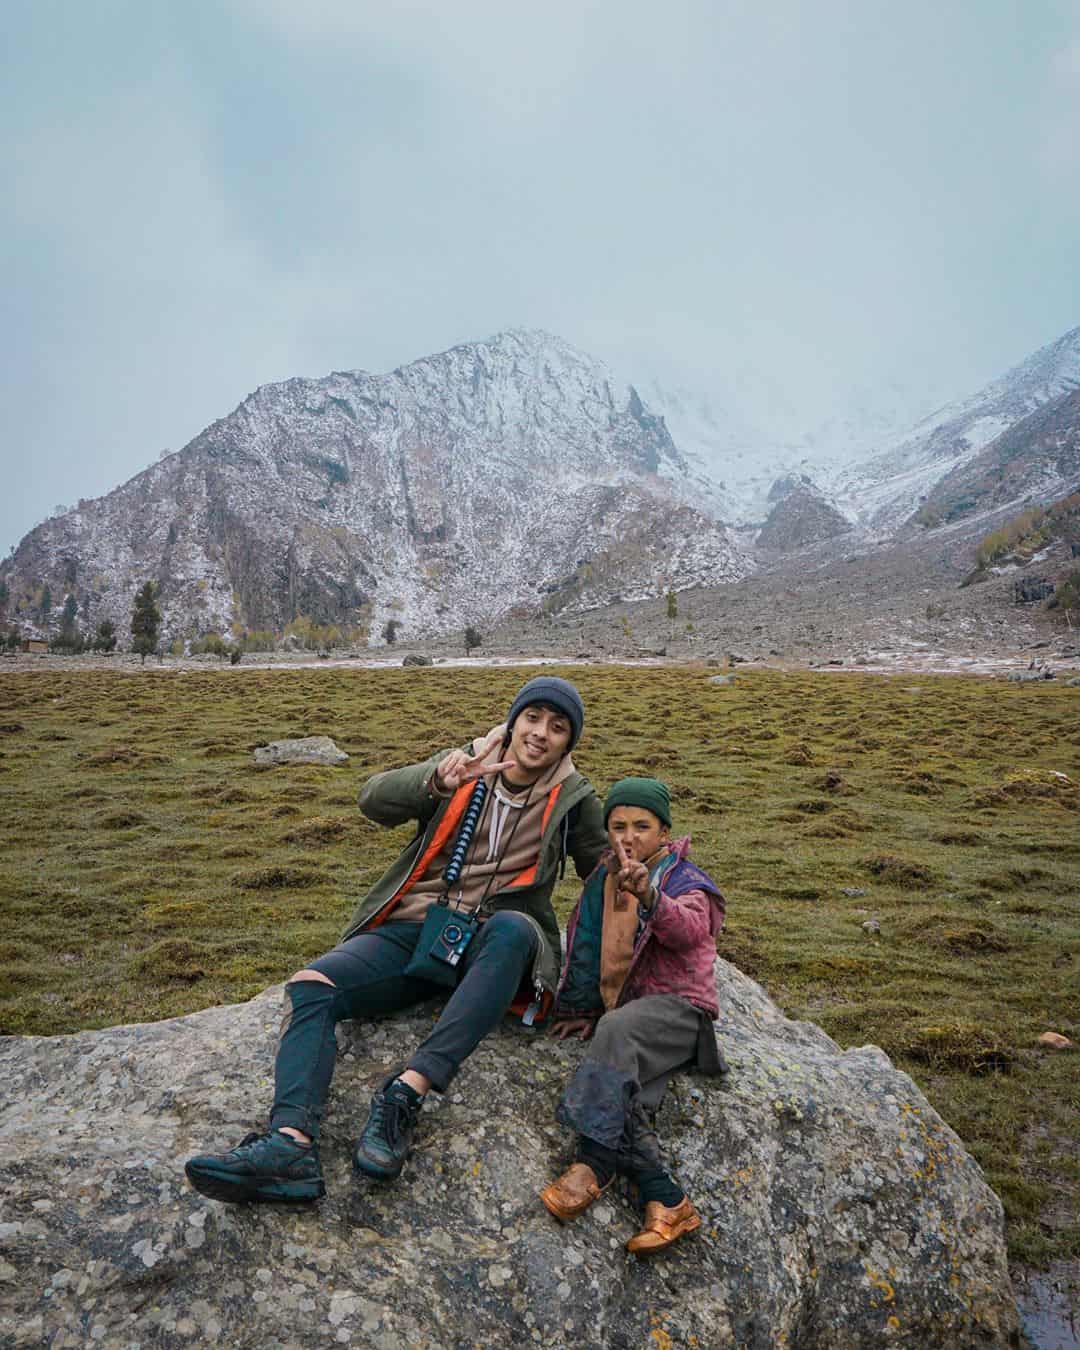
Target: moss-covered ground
[(149, 868)]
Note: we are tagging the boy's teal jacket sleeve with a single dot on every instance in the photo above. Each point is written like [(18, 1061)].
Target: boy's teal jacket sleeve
[(580, 992)]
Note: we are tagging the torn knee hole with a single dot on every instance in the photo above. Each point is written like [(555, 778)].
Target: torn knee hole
[(312, 977)]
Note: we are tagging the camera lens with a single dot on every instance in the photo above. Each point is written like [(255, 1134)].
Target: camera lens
[(452, 933)]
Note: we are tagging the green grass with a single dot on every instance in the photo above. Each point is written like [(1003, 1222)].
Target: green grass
[(150, 869)]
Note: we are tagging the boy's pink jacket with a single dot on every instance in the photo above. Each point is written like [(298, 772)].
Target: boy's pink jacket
[(675, 952)]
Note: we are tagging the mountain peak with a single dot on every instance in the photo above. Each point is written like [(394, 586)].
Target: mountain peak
[(512, 473)]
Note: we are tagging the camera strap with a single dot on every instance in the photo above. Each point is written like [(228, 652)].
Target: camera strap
[(466, 831), (479, 802)]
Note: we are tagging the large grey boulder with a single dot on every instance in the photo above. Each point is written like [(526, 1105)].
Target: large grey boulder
[(300, 750), (839, 1209)]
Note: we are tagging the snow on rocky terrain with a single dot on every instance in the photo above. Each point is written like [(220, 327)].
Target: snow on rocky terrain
[(745, 433), (886, 489), (875, 461), (503, 479), (497, 476)]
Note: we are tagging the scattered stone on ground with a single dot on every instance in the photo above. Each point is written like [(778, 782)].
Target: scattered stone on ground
[(1054, 1040), (303, 750)]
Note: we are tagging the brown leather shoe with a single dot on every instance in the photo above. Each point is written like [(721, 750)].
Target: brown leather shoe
[(574, 1192), (663, 1226)]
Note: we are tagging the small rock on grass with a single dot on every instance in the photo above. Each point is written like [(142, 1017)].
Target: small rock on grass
[(302, 750), (871, 926), (1054, 1040)]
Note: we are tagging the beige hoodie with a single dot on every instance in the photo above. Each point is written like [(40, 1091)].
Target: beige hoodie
[(506, 842)]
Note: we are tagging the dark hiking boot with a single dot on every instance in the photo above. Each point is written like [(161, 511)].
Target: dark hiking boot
[(261, 1167), (384, 1144)]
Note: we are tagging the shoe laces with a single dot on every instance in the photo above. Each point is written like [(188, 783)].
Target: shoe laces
[(391, 1115), (254, 1144), (250, 1141)]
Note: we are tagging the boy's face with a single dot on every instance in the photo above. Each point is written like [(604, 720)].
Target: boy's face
[(538, 738), (639, 831)]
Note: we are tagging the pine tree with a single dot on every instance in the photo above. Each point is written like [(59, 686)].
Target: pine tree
[(145, 618), (105, 640), (68, 640), (472, 638)]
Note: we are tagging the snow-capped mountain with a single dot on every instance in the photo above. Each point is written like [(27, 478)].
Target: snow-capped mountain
[(509, 474), (1037, 459), (746, 433), (874, 459), (888, 488)]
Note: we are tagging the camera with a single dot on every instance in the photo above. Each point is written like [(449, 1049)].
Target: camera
[(450, 942)]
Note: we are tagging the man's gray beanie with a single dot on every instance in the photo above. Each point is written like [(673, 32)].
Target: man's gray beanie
[(557, 693)]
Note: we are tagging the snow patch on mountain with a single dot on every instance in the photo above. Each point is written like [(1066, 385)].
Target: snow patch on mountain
[(745, 434), (883, 492)]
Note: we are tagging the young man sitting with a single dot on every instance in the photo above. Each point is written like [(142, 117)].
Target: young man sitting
[(492, 851)]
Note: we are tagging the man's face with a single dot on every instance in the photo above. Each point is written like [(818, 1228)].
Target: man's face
[(639, 831), (539, 738)]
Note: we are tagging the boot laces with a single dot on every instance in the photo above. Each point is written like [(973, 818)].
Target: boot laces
[(391, 1116)]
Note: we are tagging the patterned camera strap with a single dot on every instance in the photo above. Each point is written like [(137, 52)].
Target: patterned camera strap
[(474, 812)]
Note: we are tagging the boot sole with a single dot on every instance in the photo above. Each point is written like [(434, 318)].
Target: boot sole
[(564, 1215), (685, 1231), (237, 1191)]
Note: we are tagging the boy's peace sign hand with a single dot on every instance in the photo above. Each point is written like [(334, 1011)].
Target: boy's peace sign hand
[(630, 875), (458, 767)]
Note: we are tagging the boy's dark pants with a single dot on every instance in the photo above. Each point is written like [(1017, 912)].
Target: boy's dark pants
[(369, 981), (632, 1054)]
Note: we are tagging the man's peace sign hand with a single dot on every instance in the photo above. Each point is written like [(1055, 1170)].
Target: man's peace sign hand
[(458, 767)]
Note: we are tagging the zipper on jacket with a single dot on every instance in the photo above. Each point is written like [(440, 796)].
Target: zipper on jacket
[(533, 1010)]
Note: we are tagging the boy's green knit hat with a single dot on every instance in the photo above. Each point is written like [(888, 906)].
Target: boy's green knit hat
[(647, 792)]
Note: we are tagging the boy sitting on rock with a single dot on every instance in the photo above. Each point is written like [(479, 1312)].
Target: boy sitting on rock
[(639, 981)]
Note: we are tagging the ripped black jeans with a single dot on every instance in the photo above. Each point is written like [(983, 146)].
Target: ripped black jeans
[(369, 981)]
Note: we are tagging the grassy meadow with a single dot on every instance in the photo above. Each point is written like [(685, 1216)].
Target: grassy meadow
[(150, 869)]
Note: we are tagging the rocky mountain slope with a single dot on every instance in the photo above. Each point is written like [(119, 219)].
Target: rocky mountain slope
[(889, 486), (874, 460), (499, 475), (746, 431), (504, 479), (1038, 457), (801, 515)]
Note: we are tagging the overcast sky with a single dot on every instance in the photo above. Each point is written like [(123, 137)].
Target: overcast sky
[(208, 195)]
